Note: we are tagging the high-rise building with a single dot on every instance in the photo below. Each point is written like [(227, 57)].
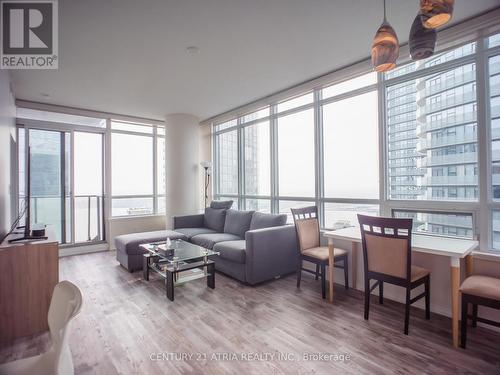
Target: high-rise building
[(432, 140)]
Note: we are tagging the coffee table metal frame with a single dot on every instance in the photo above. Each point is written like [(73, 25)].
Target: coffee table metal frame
[(170, 268)]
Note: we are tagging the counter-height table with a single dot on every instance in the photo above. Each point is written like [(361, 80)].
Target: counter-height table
[(453, 248)]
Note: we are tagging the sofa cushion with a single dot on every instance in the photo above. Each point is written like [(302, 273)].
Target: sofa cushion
[(232, 250), (238, 222), (214, 219), (221, 204), (191, 232), (129, 243), (209, 240), (262, 220)]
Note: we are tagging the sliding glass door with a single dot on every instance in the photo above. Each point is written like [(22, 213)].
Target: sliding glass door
[(88, 182), (66, 181), (47, 178)]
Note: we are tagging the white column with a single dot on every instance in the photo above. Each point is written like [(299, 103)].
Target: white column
[(182, 165)]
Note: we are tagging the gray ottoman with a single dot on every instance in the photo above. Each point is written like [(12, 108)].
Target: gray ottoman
[(128, 252)]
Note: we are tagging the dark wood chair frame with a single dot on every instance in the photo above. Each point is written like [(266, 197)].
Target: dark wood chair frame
[(391, 228), (340, 261), (475, 301)]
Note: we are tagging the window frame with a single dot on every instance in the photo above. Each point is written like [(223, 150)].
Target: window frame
[(458, 207), (156, 195), (480, 210), (275, 198)]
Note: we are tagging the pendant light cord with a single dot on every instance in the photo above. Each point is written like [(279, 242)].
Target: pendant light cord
[(385, 19)]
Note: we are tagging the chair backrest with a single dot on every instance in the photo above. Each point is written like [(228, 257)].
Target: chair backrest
[(387, 246), (307, 226), (65, 305)]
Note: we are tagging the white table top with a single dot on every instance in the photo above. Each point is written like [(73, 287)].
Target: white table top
[(450, 247)]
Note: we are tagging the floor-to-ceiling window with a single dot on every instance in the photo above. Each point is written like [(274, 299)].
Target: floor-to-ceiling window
[(67, 156), (432, 143), (64, 155), (137, 169), (350, 151), (257, 162), (493, 71), (419, 141), (269, 160), (88, 186)]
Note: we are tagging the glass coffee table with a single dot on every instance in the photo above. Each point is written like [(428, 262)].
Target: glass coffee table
[(178, 262)]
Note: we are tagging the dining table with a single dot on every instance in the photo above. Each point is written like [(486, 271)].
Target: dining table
[(453, 248)]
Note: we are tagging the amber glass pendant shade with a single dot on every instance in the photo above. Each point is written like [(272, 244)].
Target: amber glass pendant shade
[(422, 41), (385, 48), (436, 13)]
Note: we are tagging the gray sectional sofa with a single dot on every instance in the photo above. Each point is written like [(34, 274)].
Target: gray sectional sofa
[(253, 246)]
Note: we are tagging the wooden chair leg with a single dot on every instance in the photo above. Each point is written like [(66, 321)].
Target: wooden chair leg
[(323, 280), (299, 272), (427, 298), (381, 292), (407, 310), (317, 272), (367, 298), (346, 273), (474, 315), (463, 323)]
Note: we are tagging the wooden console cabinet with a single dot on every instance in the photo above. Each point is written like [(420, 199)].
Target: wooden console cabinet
[(28, 274)]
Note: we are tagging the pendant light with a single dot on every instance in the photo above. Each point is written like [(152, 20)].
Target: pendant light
[(436, 13), (422, 41), (385, 47)]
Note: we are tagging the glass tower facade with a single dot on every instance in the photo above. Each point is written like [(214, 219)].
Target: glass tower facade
[(432, 140)]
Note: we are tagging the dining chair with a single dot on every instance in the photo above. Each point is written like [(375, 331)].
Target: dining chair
[(64, 306), (387, 259), (478, 290), (308, 236)]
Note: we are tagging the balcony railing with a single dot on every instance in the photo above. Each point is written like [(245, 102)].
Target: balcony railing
[(87, 217), (400, 91), (393, 146), (400, 100), (450, 82), (401, 109), (398, 119), (451, 159), (456, 221), (401, 136), (495, 155), (495, 111), (407, 172), (494, 68), (402, 163), (403, 183), (449, 180), (448, 140), (451, 101), (460, 119), (411, 125), (495, 180)]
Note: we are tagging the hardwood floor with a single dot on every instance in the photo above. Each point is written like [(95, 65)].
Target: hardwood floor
[(126, 320)]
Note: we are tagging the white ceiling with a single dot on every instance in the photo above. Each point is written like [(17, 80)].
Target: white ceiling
[(129, 57)]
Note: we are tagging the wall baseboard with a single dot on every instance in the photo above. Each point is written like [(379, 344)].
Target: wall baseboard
[(78, 250)]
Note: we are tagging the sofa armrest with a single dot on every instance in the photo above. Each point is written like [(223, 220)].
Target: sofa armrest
[(188, 221), (270, 252)]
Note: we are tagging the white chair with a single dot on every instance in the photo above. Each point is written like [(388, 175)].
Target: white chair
[(64, 306)]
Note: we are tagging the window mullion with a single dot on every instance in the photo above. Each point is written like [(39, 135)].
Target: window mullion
[(483, 218), (155, 170), (318, 156), (241, 165), (382, 129), (274, 160)]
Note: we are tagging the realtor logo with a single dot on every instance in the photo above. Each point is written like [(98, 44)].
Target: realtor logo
[(29, 35)]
